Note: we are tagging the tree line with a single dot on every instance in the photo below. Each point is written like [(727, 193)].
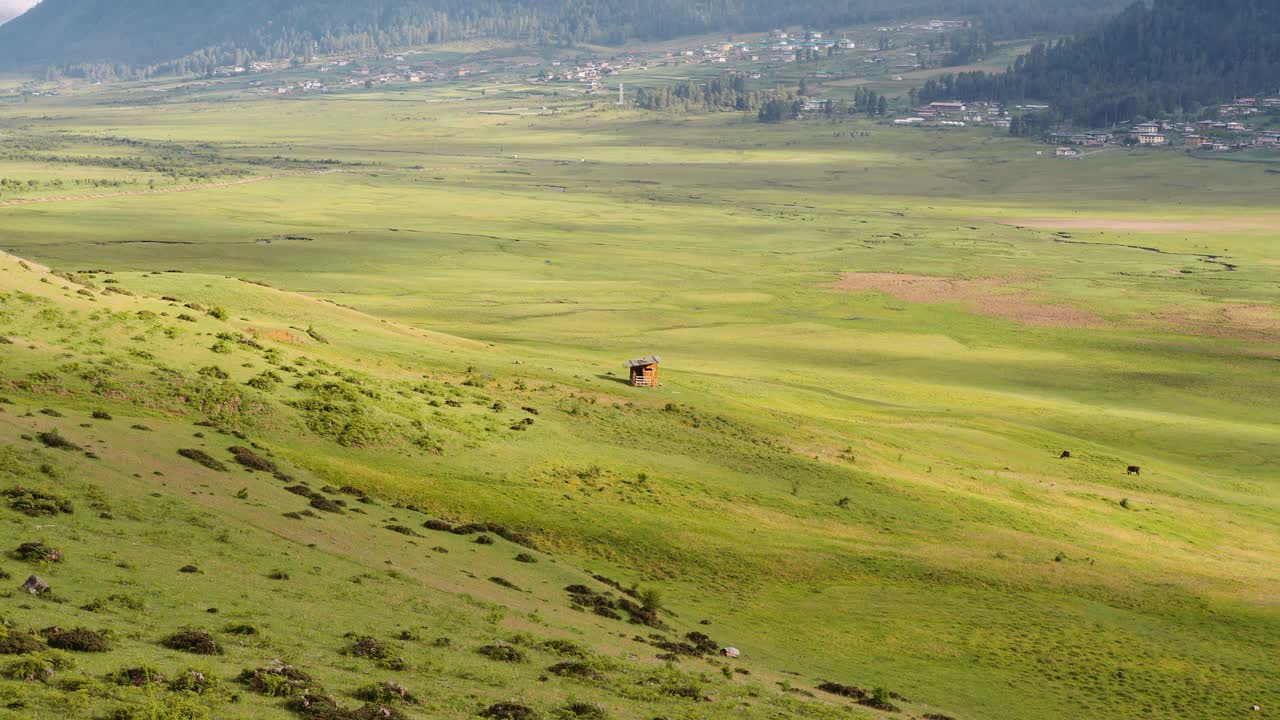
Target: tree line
[(104, 39), (1175, 57)]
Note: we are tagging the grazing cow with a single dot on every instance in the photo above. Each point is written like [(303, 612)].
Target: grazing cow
[(1066, 454), (1135, 470), (731, 652)]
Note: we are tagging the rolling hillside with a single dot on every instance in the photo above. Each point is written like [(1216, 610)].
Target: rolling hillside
[(196, 492)]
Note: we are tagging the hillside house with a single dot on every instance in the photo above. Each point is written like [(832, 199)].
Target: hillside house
[(1152, 138), (1194, 141), (644, 371)]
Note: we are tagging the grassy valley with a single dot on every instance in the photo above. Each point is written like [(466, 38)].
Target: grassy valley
[(408, 309)]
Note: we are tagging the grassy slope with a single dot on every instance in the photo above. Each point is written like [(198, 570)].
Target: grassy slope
[(710, 241)]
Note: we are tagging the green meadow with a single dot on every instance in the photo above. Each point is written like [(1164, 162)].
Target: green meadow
[(877, 344)]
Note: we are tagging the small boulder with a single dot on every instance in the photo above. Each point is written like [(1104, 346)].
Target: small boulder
[(35, 585)]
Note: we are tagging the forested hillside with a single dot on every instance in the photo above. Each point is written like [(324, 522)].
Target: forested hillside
[(1174, 56), (193, 37)]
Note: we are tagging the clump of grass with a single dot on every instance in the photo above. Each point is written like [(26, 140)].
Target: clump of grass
[(189, 570), (509, 711), (880, 699), (503, 653), (195, 681), (278, 681), (565, 648), (77, 639), (370, 647), (703, 643), (124, 602), (102, 415), (138, 676), (37, 552), (325, 504), (203, 458), (16, 642), (505, 583), (38, 667), (844, 691), (243, 629), (53, 439), (193, 640), (51, 412), (526, 558), (278, 575), (252, 460), (576, 669), (325, 707), (37, 503), (439, 525), (484, 540), (581, 711), (385, 692), (403, 530), (214, 372)]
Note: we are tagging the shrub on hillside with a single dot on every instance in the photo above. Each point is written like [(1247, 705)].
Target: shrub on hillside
[(37, 667), (77, 639), (503, 653), (509, 711), (195, 681), (139, 676), (385, 692), (37, 503), (37, 552), (581, 711), (203, 458), (197, 641), (53, 439), (278, 681), (16, 642), (252, 460)]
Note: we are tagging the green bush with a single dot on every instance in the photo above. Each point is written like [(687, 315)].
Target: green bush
[(37, 503)]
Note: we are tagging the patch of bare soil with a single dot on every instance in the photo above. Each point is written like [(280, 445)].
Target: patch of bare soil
[(991, 297), (1256, 323)]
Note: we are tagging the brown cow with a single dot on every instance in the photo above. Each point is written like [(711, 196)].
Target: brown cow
[(1135, 470)]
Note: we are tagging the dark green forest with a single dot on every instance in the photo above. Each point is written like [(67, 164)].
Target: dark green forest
[(1173, 57), (124, 37)]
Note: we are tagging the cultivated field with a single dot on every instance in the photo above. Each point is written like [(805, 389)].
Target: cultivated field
[(878, 342)]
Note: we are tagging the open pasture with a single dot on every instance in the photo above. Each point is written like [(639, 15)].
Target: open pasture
[(878, 342)]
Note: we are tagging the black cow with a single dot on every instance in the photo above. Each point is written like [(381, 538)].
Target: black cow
[(1066, 455), (1135, 470)]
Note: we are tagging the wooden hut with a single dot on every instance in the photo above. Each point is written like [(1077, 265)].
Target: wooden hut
[(644, 372)]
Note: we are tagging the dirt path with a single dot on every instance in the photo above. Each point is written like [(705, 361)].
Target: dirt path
[(160, 191)]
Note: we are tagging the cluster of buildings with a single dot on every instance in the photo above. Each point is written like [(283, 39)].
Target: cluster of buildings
[(592, 74), (953, 114), (1248, 106), (778, 46), (1218, 135)]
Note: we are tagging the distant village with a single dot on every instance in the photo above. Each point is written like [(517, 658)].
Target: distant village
[(754, 59), (1219, 135)]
